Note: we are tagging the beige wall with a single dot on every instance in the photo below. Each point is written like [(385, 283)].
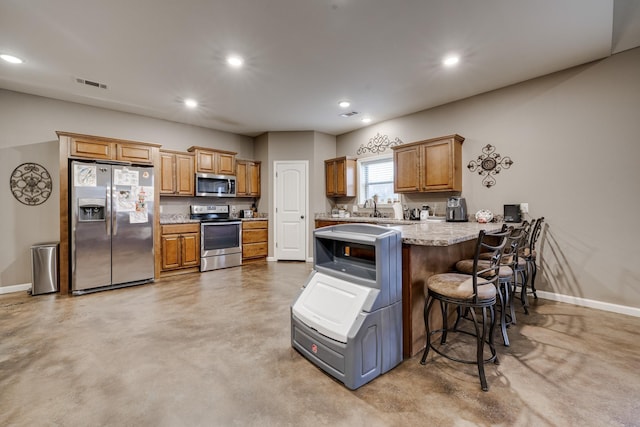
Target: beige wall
[(28, 125), (22, 226), (573, 137), (313, 147)]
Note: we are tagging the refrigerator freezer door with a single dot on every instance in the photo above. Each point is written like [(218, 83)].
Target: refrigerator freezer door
[(90, 224), (132, 226)]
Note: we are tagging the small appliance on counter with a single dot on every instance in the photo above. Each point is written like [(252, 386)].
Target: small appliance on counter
[(512, 213), (397, 210), (456, 209), (424, 213)]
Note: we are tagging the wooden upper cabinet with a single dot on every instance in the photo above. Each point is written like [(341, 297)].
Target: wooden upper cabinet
[(99, 148), (248, 178), (90, 148), (217, 162), (184, 175), (340, 177), (253, 177), (205, 161), (176, 173), (134, 153), (226, 163), (241, 178), (330, 177), (167, 172), (406, 177), (429, 166)]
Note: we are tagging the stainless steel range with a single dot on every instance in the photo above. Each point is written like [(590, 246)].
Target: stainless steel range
[(220, 237)]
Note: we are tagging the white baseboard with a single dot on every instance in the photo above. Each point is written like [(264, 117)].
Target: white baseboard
[(584, 302), (273, 259), (14, 288)]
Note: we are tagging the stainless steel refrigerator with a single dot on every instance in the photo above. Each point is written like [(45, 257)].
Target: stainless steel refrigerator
[(111, 210)]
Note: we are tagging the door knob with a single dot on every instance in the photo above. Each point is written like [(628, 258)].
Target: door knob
[(301, 216)]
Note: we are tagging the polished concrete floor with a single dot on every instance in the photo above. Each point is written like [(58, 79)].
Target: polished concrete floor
[(214, 349)]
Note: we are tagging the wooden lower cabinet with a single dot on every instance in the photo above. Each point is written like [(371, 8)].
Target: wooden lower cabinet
[(180, 245), (327, 222), (255, 238)]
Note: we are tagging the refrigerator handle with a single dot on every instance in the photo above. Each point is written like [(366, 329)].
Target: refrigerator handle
[(114, 213), (108, 213)]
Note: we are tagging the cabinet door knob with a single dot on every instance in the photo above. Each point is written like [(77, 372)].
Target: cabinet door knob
[(301, 216)]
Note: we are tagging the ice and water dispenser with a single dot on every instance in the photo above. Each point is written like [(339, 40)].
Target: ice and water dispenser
[(91, 210), (347, 319)]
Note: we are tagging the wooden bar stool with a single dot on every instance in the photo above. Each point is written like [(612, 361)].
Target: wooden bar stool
[(468, 292)]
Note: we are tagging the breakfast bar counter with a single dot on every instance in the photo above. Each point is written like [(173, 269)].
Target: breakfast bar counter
[(428, 248)]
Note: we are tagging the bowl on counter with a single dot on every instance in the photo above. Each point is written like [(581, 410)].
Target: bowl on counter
[(483, 216)]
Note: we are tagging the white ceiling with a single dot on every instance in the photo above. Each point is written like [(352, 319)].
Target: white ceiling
[(301, 56)]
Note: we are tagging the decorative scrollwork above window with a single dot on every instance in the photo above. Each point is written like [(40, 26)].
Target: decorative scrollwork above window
[(378, 144), (30, 184), (489, 164)]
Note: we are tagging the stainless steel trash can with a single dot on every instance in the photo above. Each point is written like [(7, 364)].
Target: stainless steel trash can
[(44, 268)]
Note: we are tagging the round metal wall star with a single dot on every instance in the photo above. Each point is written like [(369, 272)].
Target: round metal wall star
[(488, 164), (31, 184)]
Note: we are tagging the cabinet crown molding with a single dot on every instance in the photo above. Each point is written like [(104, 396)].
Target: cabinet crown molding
[(104, 139)]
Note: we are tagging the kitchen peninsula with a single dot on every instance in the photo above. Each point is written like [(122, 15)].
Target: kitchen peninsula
[(428, 248)]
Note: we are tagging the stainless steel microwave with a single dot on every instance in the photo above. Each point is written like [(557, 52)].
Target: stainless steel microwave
[(215, 185)]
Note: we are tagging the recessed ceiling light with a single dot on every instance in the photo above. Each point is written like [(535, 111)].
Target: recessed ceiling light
[(12, 59), (235, 61), (366, 120), (344, 104), (450, 61), (191, 103)]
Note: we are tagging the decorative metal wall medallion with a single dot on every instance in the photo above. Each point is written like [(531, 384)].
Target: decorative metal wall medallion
[(378, 144), (488, 164), (31, 184)]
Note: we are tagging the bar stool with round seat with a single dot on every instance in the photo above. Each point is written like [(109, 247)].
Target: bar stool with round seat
[(511, 267), (529, 254), (468, 292)]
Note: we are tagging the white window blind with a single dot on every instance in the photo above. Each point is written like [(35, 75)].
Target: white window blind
[(376, 178)]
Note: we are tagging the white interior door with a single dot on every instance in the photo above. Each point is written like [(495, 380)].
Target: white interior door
[(291, 210)]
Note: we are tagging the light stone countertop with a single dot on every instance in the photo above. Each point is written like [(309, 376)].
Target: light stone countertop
[(427, 233), (176, 219)]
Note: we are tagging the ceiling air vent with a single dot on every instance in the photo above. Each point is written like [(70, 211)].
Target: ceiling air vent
[(353, 113), (91, 83)]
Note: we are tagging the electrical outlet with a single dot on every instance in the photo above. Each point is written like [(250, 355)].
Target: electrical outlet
[(524, 207), (233, 209)]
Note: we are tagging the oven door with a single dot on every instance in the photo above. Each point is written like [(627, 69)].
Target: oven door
[(220, 238)]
